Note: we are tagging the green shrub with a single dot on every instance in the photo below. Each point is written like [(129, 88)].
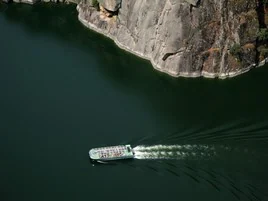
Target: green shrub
[(263, 34), (263, 50), (95, 3), (236, 50)]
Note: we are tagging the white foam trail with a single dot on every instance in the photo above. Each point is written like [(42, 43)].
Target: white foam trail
[(172, 147), (174, 151), (156, 155)]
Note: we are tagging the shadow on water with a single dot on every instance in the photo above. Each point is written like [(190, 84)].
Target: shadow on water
[(59, 20)]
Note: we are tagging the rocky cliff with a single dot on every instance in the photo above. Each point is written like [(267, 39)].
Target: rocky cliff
[(190, 38)]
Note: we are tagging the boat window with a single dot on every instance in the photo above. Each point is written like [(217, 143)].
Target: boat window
[(128, 149)]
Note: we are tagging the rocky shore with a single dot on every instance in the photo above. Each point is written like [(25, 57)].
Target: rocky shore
[(188, 38)]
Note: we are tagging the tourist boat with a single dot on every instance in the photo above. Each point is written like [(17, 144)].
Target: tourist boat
[(111, 153)]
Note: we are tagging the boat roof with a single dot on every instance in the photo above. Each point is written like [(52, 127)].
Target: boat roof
[(120, 151)]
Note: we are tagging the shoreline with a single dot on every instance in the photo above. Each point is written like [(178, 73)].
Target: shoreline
[(196, 74), (204, 74)]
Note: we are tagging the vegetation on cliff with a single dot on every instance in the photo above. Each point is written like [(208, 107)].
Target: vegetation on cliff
[(95, 3), (262, 34)]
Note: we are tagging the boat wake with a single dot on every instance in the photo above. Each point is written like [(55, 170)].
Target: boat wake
[(184, 163), (174, 152)]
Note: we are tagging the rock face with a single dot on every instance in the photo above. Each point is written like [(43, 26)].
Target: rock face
[(211, 38), (111, 5), (91, 2), (190, 38)]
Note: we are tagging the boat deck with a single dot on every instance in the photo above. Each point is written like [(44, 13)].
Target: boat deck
[(111, 153)]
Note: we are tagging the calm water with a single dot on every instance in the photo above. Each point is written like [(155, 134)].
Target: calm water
[(65, 89)]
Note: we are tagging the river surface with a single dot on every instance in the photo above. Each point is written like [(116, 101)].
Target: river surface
[(65, 89)]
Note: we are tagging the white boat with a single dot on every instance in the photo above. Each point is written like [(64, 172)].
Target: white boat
[(111, 153)]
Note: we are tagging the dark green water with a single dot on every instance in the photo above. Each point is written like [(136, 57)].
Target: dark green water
[(65, 89)]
